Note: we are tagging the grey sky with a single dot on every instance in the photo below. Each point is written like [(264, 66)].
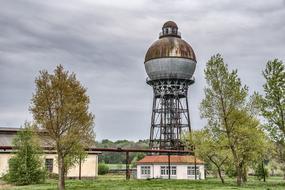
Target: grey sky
[(104, 43)]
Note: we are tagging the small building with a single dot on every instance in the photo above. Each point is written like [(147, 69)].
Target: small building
[(181, 167), (88, 169)]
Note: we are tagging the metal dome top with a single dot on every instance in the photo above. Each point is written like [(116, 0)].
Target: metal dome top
[(170, 24), (170, 47), (170, 44), (169, 28)]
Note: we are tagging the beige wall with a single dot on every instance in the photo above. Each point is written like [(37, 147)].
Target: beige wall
[(89, 167), (4, 163)]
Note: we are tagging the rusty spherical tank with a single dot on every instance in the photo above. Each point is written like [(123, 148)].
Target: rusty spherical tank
[(170, 56)]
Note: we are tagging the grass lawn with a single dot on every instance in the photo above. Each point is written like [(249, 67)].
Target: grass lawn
[(118, 183)]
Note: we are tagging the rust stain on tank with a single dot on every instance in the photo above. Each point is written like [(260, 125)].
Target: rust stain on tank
[(170, 47)]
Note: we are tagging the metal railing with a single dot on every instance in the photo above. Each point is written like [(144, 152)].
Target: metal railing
[(170, 34)]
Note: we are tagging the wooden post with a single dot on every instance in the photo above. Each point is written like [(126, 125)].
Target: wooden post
[(169, 166), (79, 177), (127, 166), (195, 164)]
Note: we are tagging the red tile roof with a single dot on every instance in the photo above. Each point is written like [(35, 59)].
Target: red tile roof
[(178, 159)]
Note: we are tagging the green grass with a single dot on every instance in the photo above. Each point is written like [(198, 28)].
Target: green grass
[(119, 183)]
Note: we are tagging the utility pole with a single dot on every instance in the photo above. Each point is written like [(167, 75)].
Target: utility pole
[(169, 166), (127, 166), (79, 177)]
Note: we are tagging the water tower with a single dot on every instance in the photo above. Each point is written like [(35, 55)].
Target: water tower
[(170, 63)]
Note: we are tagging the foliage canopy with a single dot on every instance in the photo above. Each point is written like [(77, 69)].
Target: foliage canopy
[(230, 115), (61, 107)]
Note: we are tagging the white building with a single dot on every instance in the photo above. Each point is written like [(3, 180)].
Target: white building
[(181, 167), (88, 169)]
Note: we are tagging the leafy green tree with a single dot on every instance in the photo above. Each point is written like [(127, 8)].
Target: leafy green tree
[(251, 144), (210, 149), (61, 107), (273, 105), (230, 171), (261, 172), (229, 113), (26, 166)]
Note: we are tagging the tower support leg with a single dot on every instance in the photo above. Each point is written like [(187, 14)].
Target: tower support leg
[(170, 114)]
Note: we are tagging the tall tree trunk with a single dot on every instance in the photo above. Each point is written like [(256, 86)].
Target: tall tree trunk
[(244, 174), (218, 167), (239, 175), (220, 175), (61, 176), (237, 165), (263, 171)]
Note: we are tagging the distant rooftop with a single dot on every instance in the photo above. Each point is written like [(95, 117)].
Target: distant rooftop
[(163, 159), (9, 129), (7, 134)]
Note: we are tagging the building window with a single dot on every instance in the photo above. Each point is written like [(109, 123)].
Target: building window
[(164, 170), (173, 170), (145, 170), (166, 30), (49, 165), (191, 170)]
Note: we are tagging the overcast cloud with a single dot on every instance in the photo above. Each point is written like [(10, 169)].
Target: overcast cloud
[(104, 43)]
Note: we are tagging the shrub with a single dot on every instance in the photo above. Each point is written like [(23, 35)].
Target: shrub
[(52, 175), (231, 171), (25, 167), (103, 169), (261, 172)]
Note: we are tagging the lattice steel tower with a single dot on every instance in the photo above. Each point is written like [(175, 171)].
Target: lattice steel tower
[(170, 63)]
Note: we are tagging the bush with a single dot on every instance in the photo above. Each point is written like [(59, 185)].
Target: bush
[(261, 172), (52, 175), (103, 169), (231, 171), (5, 177), (25, 167)]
